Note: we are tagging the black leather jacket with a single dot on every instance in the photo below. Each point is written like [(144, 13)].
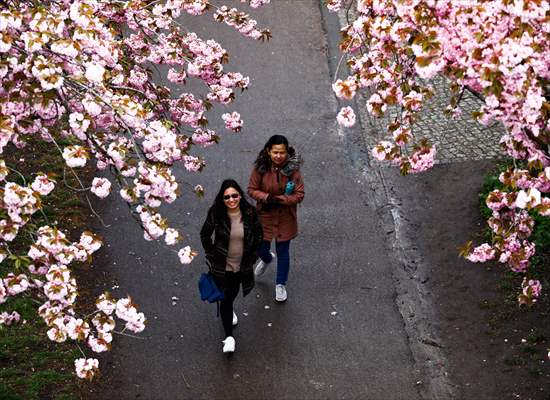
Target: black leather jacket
[(216, 248)]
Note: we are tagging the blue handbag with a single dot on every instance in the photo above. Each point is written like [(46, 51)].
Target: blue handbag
[(208, 289)]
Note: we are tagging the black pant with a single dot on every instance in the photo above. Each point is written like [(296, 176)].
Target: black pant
[(231, 285)]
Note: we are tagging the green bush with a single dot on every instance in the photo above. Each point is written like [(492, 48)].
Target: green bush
[(539, 268)]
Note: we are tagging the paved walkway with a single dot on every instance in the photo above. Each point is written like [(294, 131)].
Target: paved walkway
[(340, 335)]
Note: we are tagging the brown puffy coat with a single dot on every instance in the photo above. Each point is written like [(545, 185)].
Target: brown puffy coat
[(279, 221)]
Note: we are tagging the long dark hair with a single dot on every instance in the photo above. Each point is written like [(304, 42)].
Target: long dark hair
[(219, 208), (263, 156)]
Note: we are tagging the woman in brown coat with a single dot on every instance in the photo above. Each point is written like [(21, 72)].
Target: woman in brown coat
[(277, 186)]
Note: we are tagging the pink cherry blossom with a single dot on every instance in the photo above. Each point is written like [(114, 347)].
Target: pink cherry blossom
[(104, 323), (422, 159), (383, 150), (345, 89), (43, 185), (94, 72), (402, 135), (58, 331), (77, 329), (101, 187), (136, 323), (533, 286), (105, 304), (126, 310), (531, 290), (193, 164), (3, 170), (376, 106), (186, 255), (199, 190), (9, 318), (233, 121), (204, 137), (3, 293), (529, 199), (346, 117), (257, 3), (15, 284), (172, 236), (75, 156), (100, 343), (334, 5), (482, 253), (86, 368)]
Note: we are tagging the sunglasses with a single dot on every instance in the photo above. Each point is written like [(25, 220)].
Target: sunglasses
[(231, 196)]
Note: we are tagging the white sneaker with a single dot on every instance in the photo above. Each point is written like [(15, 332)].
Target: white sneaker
[(280, 293), (261, 266), (229, 344), (235, 319)]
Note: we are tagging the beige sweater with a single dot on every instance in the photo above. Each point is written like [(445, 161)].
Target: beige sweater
[(236, 238)]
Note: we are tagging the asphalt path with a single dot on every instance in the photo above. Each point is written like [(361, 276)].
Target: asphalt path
[(340, 334)]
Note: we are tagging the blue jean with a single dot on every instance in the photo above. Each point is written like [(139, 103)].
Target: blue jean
[(283, 258)]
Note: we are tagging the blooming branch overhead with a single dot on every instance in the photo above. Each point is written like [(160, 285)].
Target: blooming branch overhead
[(499, 50), (82, 71)]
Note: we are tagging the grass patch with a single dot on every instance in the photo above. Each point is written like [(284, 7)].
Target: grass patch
[(535, 372), (6, 393), (504, 314), (530, 350), (31, 365), (515, 361)]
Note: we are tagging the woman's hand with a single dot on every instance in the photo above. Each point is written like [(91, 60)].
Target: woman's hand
[(271, 203), (273, 199)]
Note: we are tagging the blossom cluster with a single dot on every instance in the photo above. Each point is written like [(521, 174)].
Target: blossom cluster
[(497, 49), (81, 73), (116, 115), (242, 21), (9, 318), (512, 224), (50, 277)]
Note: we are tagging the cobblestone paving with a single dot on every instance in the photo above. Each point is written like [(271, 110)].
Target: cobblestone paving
[(459, 139)]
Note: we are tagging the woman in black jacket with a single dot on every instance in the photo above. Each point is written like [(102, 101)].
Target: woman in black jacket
[(232, 251)]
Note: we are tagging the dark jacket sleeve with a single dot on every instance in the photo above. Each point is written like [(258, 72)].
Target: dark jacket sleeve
[(206, 236), (258, 232)]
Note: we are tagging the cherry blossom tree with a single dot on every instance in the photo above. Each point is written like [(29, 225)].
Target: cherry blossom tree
[(82, 71), (499, 50)]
